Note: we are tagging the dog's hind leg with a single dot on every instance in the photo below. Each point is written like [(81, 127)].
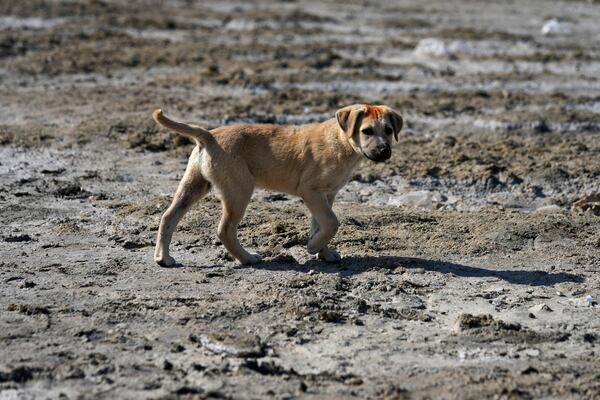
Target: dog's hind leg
[(235, 200), (192, 188)]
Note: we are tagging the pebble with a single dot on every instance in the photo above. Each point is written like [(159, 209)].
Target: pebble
[(552, 209), (590, 203), (431, 47), (532, 352), (542, 307), (590, 300), (465, 322), (419, 198), (237, 345), (556, 27), (582, 302), (167, 365)]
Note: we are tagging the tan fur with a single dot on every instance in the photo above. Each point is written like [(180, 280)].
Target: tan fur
[(311, 161)]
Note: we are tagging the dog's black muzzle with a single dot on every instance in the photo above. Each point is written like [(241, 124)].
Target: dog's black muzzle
[(383, 154)]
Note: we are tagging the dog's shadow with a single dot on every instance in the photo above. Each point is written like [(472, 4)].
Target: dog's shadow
[(350, 266)]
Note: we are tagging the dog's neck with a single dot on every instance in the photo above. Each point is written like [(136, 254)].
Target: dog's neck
[(347, 152)]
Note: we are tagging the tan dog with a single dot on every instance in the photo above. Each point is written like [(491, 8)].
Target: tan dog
[(312, 161)]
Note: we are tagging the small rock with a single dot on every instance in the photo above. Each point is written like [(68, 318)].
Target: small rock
[(556, 27), (291, 332), (198, 367), (589, 337), (362, 306), (237, 345), (582, 301), (27, 285), (532, 352), (353, 381), (529, 370), (406, 301), (53, 171), (18, 238), (68, 372), (177, 348), (552, 209), (468, 321), (71, 191), (132, 244), (465, 322), (28, 309), (268, 367), (104, 370), (540, 308), (167, 365), (331, 316), (419, 198), (431, 47), (590, 300), (302, 387), (589, 203), (20, 374)]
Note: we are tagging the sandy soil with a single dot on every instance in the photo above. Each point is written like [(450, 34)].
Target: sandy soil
[(465, 270)]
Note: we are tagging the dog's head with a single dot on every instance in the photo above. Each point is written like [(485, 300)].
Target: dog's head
[(370, 129)]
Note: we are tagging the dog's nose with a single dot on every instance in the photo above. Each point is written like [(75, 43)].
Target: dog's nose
[(385, 152)]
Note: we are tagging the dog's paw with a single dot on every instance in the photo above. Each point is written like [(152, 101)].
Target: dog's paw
[(165, 262), (252, 259), (312, 248), (329, 255)]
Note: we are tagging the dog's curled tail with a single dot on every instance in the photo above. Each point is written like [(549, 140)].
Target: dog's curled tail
[(200, 134)]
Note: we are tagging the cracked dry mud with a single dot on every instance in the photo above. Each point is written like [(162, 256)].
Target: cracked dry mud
[(480, 293)]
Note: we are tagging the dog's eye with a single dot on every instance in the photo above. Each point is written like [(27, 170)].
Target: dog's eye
[(388, 130), (367, 131)]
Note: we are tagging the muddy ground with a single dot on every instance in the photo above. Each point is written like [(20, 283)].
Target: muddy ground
[(465, 273)]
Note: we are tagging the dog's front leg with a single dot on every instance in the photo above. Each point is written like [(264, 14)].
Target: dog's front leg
[(314, 225), (324, 225)]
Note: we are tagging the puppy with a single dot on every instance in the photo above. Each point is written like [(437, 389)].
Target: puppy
[(312, 161)]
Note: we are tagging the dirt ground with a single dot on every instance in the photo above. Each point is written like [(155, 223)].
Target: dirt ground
[(466, 272)]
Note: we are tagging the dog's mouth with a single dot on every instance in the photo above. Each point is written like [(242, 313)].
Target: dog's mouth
[(381, 157)]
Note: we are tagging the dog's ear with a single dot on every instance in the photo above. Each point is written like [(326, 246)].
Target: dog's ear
[(396, 121), (349, 118)]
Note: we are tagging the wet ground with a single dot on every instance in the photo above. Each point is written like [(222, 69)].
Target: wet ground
[(467, 272)]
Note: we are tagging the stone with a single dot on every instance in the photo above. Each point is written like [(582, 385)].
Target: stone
[(543, 307), (551, 209), (590, 203), (237, 345), (419, 198), (431, 47), (466, 322), (556, 27)]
